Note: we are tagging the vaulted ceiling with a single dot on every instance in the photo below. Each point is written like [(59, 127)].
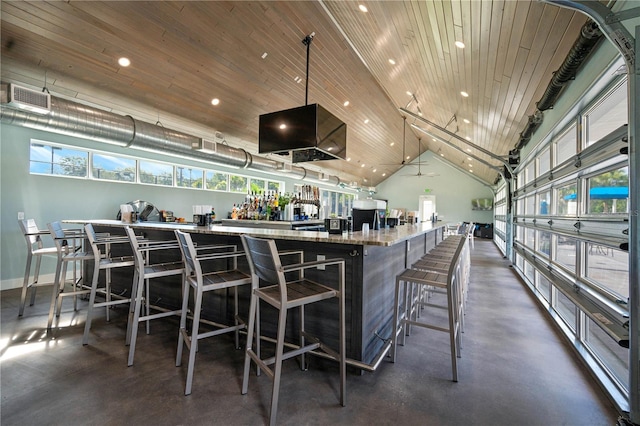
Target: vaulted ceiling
[(250, 55)]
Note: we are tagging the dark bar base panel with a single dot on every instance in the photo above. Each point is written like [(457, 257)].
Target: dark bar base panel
[(370, 281)]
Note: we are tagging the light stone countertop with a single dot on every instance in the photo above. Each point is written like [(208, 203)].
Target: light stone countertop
[(384, 237)]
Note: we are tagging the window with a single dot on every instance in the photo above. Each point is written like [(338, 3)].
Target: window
[(530, 208), (607, 115), (156, 173), (217, 181), (529, 271), (566, 200), (57, 160), (544, 201), (614, 356), (530, 172), (530, 235), (544, 286), (520, 206), (609, 267), (544, 162), (257, 186), (239, 184), (273, 186), (565, 308), (565, 145), (565, 252), (609, 192), (109, 167), (189, 178), (544, 242)]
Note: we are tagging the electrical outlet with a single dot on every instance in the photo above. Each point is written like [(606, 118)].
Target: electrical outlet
[(20, 215), (321, 257)]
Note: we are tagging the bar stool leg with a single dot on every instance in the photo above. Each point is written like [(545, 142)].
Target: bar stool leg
[(235, 316), (132, 306), (277, 371), (250, 330), (134, 318), (183, 322), (303, 365), (396, 322), (54, 296), (343, 344), (25, 283), (92, 299), (193, 347), (62, 286)]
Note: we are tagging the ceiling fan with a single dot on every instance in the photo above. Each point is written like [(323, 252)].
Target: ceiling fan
[(404, 161), (419, 164)]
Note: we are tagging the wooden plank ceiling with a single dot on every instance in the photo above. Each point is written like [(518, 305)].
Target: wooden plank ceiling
[(183, 54)]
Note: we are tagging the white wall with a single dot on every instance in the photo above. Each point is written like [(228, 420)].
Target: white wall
[(452, 188)]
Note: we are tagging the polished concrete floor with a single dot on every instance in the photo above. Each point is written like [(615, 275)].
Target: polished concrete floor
[(515, 370)]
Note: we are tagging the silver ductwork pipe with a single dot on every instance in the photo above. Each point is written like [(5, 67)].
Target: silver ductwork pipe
[(83, 121)]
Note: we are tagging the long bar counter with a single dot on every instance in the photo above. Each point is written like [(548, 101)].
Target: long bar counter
[(372, 261)]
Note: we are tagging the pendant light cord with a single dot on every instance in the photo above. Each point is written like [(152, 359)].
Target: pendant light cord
[(307, 42)]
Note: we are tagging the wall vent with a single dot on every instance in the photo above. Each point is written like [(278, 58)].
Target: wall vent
[(28, 99), (205, 145)]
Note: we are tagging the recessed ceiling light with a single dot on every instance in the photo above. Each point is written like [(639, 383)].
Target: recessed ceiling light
[(441, 155), (465, 94), (469, 158), (384, 174), (434, 139), (466, 121), (366, 121), (408, 156), (392, 144), (283, 126), (348, 158), (459, 44), (470, 171), (374, 170), (392, 62), (470, 165), (215, 101), (467, 138), (363, 8), (346, 103), (409, 93), (468, 149), (264, 55), (362, 165), (124, 62)]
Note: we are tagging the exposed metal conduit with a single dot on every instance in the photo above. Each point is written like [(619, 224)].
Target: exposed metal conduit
[(83, 121), (590, 35)]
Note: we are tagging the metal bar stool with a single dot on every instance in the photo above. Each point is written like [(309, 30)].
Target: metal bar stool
[(145, 271), (201, 283), (265, 264), (406, 305), (69, 246), (35, 248), (103, 261)]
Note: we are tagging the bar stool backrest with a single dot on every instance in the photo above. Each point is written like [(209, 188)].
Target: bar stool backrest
[(28, 226), (264, 261), (189, 254), (91, 236), (135, 247), (55, 228)]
